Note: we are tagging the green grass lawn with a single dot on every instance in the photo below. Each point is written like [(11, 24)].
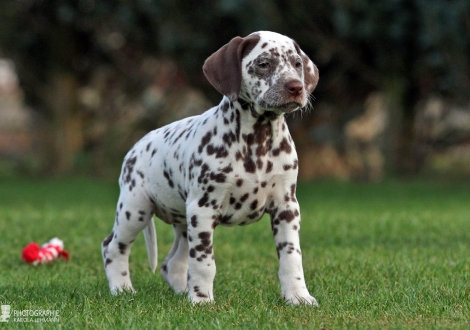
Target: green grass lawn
[(388, 255)]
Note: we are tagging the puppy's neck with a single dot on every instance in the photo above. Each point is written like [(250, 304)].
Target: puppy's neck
[(242, 116), (256, 111)]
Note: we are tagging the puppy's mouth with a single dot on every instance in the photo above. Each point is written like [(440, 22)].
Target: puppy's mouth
[(290, 106), (285, 107)]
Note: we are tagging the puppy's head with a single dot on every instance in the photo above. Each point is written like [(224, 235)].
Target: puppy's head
[(266, 69)]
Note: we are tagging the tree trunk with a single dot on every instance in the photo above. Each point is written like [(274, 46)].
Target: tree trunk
[(65, 134), (393, 92)]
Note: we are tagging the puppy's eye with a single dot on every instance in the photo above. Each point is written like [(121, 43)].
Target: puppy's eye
[(298, 64), (264, 65)]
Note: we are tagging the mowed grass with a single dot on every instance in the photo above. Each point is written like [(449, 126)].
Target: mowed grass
[(388, 255)]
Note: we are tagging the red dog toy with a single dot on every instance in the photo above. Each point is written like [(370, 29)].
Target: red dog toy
[(35, 254)]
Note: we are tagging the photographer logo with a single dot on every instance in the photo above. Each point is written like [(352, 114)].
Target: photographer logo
[(5, 317), (29, 315)]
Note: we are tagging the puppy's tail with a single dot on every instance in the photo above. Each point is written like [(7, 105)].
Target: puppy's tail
[(151, 243)]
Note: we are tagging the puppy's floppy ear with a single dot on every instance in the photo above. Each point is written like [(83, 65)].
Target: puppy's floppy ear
[(223, 68), (311, 74)]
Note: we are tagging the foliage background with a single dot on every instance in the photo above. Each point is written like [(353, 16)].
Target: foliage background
[(99, 73)]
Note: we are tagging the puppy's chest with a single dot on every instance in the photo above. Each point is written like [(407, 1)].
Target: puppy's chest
[(244, 199), (238, 186)]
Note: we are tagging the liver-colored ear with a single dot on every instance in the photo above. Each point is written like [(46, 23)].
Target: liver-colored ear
[(311, 74), (223, 68)]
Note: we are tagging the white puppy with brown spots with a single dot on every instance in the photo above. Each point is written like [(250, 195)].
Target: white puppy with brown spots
[(228, 167)]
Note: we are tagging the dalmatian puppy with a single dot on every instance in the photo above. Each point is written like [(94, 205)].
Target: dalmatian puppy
[(227, 166)]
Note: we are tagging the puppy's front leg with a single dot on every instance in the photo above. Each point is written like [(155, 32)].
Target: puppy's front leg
[(201, 263), (285, 223)]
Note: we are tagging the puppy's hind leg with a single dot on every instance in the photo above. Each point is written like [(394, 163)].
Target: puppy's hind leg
[(132, 216), (175, 267)]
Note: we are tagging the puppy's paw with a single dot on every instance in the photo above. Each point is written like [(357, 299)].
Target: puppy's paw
[(302, 298), (200, 298), (116, 290)]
